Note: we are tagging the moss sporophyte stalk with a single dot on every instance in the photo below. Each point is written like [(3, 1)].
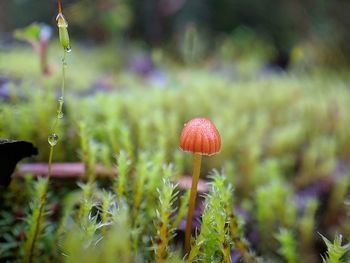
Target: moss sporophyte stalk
[(64, 40), (53, 138)]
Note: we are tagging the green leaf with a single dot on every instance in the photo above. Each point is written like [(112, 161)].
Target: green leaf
[(30, 33)]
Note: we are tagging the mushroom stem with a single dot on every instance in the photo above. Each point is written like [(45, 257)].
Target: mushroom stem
[(195, 177)]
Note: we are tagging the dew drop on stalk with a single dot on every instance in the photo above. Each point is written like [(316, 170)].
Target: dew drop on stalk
[(52, 139), (60, 114), (60, 100), (68, 49)]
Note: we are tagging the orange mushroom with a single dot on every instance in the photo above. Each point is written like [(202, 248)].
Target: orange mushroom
[(200, 137)]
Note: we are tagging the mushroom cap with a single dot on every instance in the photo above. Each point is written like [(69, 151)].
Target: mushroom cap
[(200, 136)]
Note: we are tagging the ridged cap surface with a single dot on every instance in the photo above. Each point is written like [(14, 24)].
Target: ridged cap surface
[(200, 136)]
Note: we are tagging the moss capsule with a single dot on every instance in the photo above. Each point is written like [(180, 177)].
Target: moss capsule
[(63, 31)]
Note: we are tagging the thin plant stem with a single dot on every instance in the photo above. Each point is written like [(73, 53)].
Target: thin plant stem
[(192, 203), (52, 139), (63, 72), (50, 162), (59, 6), (29, 258), (61, 98)]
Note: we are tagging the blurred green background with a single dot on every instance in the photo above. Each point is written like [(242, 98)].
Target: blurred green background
[(272, 75), (292, 29)]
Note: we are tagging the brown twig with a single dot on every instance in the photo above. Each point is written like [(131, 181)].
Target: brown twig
[(77, 170)]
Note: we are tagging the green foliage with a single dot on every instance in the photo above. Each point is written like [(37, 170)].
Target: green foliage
[(30, 33), (281, 136), (85, 243), (182, 210), (88, 152), (307, 223), (165, 231), (275, 207), (36, 220), (336, 252), (288, 245), (213, 242), (271, 152), (123, 174)]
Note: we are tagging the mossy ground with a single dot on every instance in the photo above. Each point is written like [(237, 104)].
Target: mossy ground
[(284, 160)]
